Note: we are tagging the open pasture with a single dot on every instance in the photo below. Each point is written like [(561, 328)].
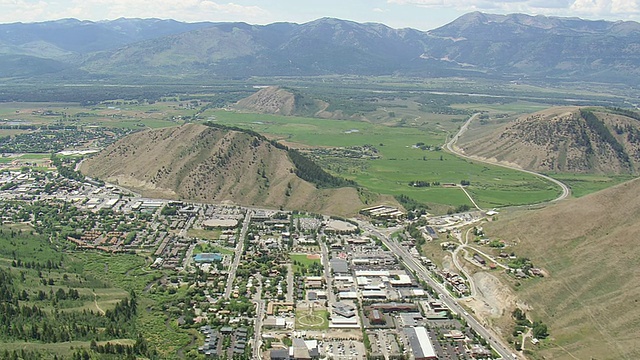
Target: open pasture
[(401, 162)]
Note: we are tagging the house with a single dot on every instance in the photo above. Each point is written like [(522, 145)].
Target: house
[(479, 259)]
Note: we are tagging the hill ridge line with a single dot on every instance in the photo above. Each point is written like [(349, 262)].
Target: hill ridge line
[(452, 148)]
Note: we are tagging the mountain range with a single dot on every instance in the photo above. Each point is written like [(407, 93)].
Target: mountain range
[(477, 44)]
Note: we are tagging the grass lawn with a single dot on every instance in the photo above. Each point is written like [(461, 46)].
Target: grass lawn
[(208, 248), (35, 157), (317, 320), (303, 260), (204, 234)]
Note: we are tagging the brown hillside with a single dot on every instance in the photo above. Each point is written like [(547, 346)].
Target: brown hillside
[(591, 249), (200, 163), (279, 101), (560, 139), (270, 100)]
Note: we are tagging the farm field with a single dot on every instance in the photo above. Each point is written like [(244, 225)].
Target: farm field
[(116, 114)]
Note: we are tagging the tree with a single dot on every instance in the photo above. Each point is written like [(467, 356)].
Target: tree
[(540, 330)]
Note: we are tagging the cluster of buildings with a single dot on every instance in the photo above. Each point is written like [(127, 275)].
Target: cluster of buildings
[(383, 212), (225, 342), (457, 282), (360, 283)]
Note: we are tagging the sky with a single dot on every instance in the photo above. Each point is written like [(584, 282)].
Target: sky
[(418, 14)]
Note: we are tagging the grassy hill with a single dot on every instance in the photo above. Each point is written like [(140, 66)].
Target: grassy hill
[(564, 139), (210, 164), (589, 247)]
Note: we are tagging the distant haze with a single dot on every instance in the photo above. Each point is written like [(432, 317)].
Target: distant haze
[(508, 47), (418, 14)]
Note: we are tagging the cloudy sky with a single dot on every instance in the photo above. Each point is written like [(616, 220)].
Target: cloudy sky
[(419, 14)]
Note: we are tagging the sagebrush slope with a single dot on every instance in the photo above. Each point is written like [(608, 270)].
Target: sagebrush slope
[(201, 163), (281, 101), (591, 250), (564, 140)]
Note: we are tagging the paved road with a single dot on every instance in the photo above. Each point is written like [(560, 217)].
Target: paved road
[(188, 258), (257, 340), (331, 298), (237, 255), (402, 253), (290, 283), (451, 146)]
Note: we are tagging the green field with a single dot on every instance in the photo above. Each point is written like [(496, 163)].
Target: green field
[(302, 264), (102, 280), (585, 184), (204, 234), (208, 248), (40, 272), (393, 125), (35, 157), (518, 107), (312, 320), (400, 161), (303, 260)]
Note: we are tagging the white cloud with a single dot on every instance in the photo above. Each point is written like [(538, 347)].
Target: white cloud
[(589, 8), (186, 10), (606, 7)]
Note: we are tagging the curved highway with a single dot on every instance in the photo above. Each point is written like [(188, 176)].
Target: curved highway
[(451, 146)]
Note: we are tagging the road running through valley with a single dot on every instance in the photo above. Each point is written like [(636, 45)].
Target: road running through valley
[(452, 148)]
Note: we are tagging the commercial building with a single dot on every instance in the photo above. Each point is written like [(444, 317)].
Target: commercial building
[(420, 343)]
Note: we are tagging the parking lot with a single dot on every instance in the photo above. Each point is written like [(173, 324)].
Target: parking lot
[(344, 350)]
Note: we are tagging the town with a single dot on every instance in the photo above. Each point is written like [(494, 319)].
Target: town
[(277, 284)]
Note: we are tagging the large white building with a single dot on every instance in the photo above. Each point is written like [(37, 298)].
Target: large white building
[(420, 343)]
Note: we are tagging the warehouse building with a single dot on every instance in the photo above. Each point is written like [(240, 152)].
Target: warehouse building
[(420, 343)]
